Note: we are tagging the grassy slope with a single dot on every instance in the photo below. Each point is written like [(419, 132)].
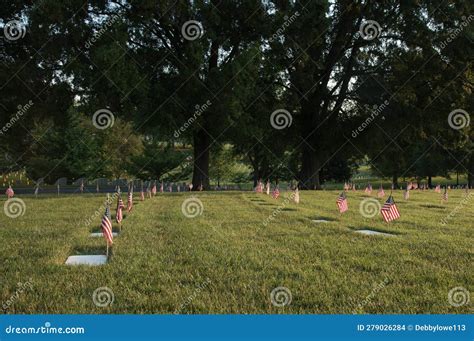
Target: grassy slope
[(161, 256)]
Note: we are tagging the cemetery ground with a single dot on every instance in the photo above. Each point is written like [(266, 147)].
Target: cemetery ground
[(232, 256)]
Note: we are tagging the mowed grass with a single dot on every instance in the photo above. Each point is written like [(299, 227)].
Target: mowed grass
[(227, 261)]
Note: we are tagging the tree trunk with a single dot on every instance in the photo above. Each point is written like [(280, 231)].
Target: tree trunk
[(470, 180), (395, 181), (201, 160), (309, 175), (457, 178), (430, 181)]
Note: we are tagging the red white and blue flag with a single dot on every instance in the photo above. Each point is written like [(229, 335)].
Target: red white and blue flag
[(9, 192), (342, 203), (389, 210), (119, 212), (106, 226), (381, 192), (276, 193)]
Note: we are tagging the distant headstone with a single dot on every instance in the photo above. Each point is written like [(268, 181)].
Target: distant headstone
[(374, 233), (61, 182), (79, 181), (91, 260)]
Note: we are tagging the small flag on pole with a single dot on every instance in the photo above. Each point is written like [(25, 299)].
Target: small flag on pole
[(342, 202), (389, 210), (276, 193), (119, 212), (153, 189), (445, 195), (438, 189), (368, 189), (9, 192), (381, 192), (106, 226), (267, 187)]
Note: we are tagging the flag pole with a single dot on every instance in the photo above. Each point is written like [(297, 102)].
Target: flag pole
[(106, 242)]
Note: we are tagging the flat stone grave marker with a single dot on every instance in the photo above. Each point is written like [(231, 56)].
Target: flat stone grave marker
[(374, 233), (319, 221), (91, 260), (100, 234)]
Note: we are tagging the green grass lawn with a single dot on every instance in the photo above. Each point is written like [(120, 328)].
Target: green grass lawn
[(227, 261)]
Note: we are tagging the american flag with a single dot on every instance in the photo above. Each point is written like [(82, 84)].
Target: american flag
[(161, 188), (267, 187), (445, 194), (276, 193), (406, 194), (438, 189), (9, 192), (342, 203), (296, 196), (389, 210), (381, 192), (368, 189), (130, 201), (118, 212), (153, 189), (106, 226)]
